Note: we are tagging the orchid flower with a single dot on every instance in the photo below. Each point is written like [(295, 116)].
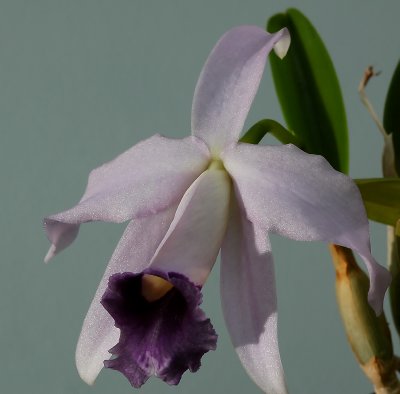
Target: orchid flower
[(188, 198)]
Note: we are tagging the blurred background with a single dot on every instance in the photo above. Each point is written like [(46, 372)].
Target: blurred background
[(81, 81)]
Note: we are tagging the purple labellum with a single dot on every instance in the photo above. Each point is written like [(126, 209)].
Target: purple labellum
[(163, 330)]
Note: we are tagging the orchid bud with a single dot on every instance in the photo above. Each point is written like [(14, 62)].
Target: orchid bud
[(368, 334)]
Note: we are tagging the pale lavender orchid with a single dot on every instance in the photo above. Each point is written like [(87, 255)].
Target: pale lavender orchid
[(187, 199)]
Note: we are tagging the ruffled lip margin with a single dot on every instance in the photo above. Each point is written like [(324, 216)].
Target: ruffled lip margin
[(164, 337)]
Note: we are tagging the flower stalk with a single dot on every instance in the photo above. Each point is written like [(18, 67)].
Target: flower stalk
[(368, 334)]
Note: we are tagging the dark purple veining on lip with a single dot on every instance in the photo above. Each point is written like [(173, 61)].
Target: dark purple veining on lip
[(162, 338)]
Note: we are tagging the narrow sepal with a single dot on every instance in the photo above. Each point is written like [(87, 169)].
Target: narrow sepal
[(229, 81), (133, 253), (248, 291)]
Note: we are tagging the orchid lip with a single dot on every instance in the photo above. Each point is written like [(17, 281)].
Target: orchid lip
[(163, 330)]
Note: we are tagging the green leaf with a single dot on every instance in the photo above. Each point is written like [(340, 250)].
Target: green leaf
[(257, 132), (382, 199), (391, 116), (308, 90)]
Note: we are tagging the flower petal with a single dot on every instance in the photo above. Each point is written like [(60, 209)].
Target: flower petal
[(249, 301), (229, 81), (162, 336), (302, 197), (133, 253), (145, 179), (192, 243)]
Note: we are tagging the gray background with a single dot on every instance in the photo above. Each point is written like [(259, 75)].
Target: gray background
[(81, 81)]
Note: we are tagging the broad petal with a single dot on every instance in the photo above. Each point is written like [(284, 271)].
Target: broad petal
[(162, 336), (147, 178), (192, 243), (302, 197), (229, 81), (133, 254), (249, 302)]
